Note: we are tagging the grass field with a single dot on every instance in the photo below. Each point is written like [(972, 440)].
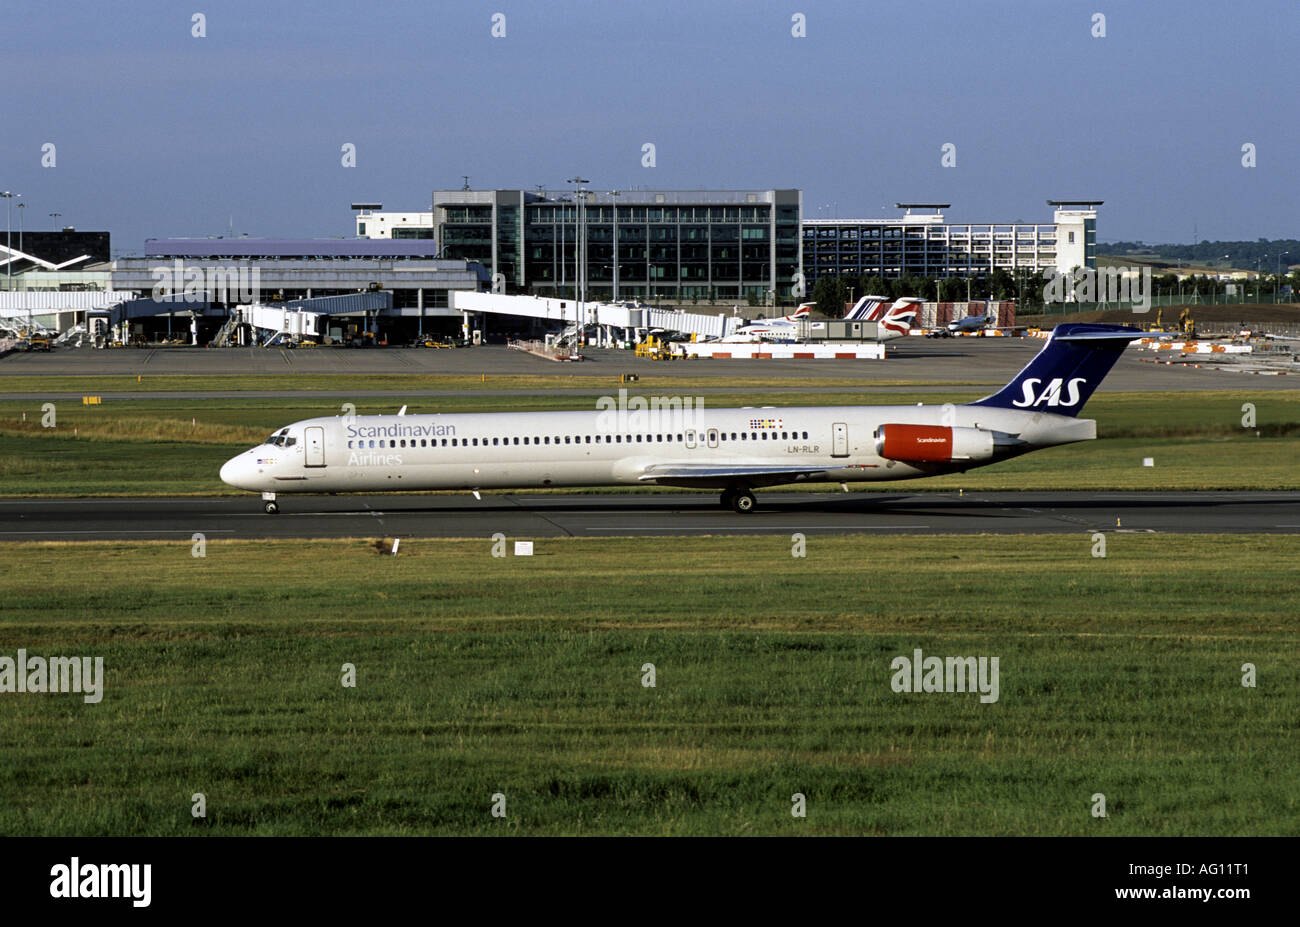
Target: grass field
[(410, 383), (523, 676), (1195, 438)]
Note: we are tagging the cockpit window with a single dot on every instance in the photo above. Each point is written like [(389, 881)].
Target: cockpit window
[(281, 439)]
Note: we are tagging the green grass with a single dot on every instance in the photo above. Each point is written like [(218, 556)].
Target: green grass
[(1195, 438), (406, 383), (522, 676)]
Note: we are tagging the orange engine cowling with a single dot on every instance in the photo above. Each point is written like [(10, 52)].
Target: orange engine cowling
[(933, 443)]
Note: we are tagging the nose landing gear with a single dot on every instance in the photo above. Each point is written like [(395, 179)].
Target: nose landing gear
[(268, 503)]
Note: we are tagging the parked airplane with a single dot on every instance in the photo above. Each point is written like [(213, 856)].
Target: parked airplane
[(866, 309), (735, 450), (895, 318), (782, 329), (972, 323)]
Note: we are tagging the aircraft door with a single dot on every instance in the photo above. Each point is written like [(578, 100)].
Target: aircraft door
[(839, 440), (713, 437), (315, 446)]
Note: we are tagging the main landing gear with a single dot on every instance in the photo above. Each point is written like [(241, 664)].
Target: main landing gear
[(268, 503), (738, 499)]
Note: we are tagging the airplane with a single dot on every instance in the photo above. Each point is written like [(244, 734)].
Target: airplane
[(733, 450), (972, 323), (895, 320), (866, 309), (782, 329)]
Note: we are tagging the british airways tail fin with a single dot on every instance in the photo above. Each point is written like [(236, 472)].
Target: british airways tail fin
[(898, 317), (1065, 372)]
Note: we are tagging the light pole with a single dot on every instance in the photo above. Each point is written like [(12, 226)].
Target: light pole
[(580, 256), (1277, 276), (614, 206), (9, 231), (22, 207), (54, 226)]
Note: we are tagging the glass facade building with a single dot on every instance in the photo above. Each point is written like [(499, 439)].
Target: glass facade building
[(643, 244)]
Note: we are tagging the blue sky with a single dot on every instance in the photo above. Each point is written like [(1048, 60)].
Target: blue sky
[(158, 133)]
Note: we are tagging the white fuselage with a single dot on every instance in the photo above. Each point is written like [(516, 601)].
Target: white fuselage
[(697, 447)]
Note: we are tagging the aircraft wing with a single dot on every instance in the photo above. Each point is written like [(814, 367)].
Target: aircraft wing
[(686, 474)]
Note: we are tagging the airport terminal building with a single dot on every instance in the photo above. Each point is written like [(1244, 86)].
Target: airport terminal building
[(311, 267), (641, 244), (724, 245), (924, 245), (231, 271)]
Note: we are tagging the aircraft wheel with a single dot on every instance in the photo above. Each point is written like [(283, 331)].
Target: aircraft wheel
[(743, 501), (270, 508)]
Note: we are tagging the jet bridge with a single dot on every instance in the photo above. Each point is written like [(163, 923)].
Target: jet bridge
[(301, 318), (605, 317)]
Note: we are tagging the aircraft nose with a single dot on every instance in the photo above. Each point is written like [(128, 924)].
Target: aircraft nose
[(237, 470)]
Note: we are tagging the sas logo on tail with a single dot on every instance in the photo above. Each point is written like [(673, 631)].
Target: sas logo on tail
[(1049, 394)]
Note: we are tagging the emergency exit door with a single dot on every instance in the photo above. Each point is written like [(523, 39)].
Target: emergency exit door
[(315, 439), (839, 440)]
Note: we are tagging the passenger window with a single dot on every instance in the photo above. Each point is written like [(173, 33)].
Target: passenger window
[(516, 440), (496, 441)]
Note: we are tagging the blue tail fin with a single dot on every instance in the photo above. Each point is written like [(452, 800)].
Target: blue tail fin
[(1065, 372)]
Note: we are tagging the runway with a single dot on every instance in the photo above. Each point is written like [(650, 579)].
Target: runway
[(541, 515), (952, 360)]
